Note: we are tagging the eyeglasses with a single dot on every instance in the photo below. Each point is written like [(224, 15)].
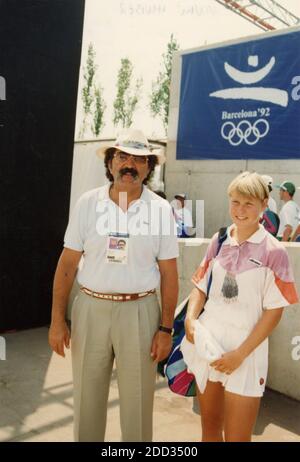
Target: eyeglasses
[(122, 157)]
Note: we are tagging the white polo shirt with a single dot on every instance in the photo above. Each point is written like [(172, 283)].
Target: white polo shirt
[(289, 215), (151, 227)]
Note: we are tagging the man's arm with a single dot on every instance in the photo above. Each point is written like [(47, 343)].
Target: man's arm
[(162, 341), (296, 233), (59, 334), (168, 290)]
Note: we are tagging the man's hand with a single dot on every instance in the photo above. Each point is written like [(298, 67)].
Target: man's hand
[(228, 362), (189, 326), (59, 337), (161, 346), (287, 233)]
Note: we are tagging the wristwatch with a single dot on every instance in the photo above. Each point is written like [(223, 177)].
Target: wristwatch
[(167, 330)]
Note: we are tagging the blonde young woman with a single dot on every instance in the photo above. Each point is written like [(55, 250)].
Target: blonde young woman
[(251, 283)]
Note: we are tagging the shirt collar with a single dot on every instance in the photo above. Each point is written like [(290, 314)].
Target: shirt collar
[(104, 194), (256, 237)]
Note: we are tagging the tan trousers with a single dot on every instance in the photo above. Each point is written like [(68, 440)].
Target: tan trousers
[(101, 332)]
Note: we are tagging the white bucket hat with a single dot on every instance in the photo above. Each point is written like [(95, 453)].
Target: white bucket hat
[(133, 142)]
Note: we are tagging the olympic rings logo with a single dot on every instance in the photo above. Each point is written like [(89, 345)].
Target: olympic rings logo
[(251, 134)]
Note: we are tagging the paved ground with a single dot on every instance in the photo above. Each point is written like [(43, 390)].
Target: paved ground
[(36, 401)]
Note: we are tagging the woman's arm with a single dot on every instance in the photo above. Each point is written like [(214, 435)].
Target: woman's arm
[(233, 359)]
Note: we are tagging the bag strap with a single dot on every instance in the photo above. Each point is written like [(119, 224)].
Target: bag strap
[(222, 236)]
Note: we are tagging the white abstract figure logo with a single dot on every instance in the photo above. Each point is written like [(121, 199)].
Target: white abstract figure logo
[(244, 131), (250, 77), (272, 95)]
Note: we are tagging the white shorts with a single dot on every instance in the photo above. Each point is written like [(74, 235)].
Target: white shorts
[(249, 379)]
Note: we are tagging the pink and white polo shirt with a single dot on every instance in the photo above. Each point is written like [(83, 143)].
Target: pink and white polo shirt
[(247, 278)]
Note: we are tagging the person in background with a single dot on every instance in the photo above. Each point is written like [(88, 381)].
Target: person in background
[(271, 202), (161, 194), (296, 234), (251, 283), (270, 219), (183, 217), (290, 213)]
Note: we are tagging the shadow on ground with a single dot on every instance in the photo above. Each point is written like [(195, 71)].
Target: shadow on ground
[(36, 401)]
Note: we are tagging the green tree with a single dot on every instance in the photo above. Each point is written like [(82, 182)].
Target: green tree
[(127, 98), (100, 107), (91, 95), (160, 96)]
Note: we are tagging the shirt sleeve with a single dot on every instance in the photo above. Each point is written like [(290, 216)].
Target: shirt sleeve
[(280, 289), (201, 276), (168, 246), (76, 231)]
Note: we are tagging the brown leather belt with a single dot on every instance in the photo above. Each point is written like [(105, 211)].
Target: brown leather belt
[(117, 297)]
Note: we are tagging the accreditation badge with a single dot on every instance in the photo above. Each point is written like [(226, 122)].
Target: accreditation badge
[(117, 248)]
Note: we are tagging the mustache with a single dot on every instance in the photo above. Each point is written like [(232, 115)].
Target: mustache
[(132, 171)]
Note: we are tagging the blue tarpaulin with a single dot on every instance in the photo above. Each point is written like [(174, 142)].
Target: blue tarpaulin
[(241, 101)]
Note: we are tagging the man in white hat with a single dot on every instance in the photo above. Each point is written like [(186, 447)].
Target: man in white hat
[(116, 316), (271, 202), (183, 217)]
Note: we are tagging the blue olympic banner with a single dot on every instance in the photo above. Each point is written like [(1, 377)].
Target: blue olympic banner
[(241, 101)]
